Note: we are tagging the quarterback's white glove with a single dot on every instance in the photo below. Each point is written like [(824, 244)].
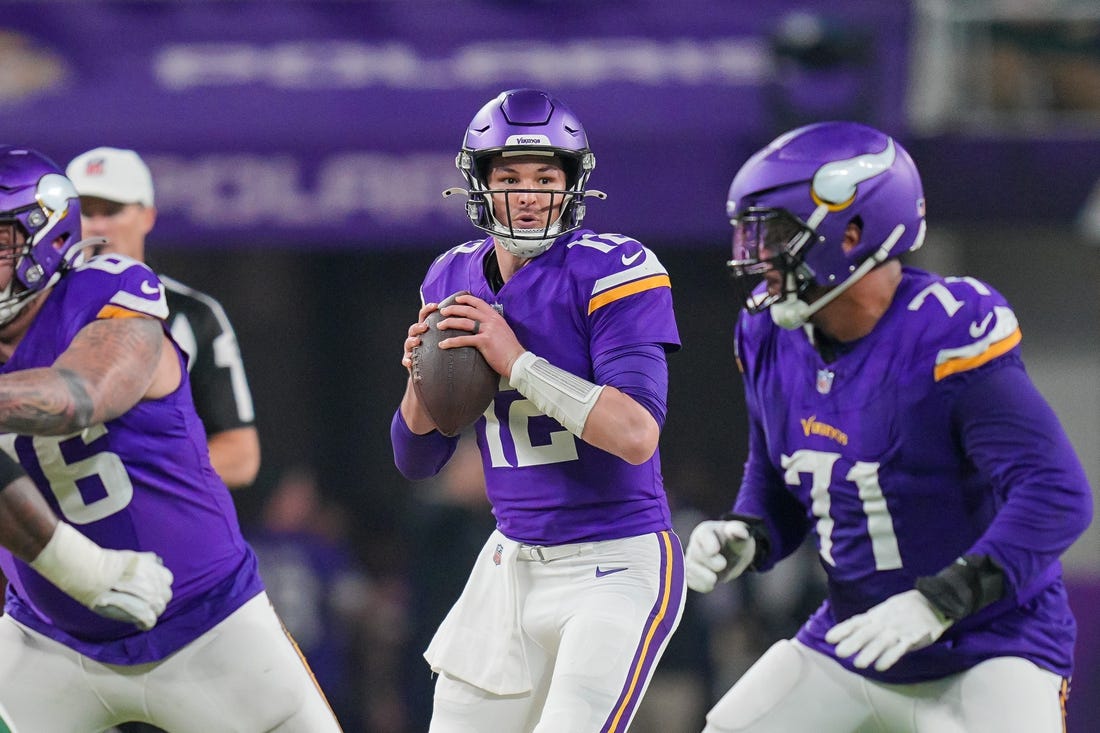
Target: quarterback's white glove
[(121, 584), (883, 634), (718, 551)]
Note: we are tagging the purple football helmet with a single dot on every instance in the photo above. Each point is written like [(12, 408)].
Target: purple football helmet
[(40, 203), (791, 204), (525, 122)]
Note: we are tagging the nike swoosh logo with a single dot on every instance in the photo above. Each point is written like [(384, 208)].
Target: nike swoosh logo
[(609, 571), (630, 260), (149, 289), (977, 329)]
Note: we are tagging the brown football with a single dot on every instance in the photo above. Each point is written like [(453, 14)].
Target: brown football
[(454, 385)]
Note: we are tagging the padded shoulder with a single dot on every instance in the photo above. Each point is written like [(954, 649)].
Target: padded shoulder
[(120, 285), (961, 323), (613, 266), (459, 268)]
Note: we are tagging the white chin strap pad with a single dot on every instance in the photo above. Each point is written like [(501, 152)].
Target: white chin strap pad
[(790, 313), (525, 249)]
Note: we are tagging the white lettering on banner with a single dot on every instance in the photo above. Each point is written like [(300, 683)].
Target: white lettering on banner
[(236, 190), (312, 65)]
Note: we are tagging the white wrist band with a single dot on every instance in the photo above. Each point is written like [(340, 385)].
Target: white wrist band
[(563, 396), (71, 561)]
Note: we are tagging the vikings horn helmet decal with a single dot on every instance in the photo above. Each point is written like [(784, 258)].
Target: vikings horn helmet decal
[(792, 202), (835, 183)]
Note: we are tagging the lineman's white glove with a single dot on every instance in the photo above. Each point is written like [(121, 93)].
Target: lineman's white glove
[(900, 624), (121, 584), (718, 551)]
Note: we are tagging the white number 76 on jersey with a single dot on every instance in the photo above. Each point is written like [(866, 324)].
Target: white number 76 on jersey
[(104, 469)]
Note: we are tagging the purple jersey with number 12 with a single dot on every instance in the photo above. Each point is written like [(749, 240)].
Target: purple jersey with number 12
[(141, 482), (585, 297)]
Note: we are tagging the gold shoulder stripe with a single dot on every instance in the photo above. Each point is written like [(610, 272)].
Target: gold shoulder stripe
[(114, 311), (955, 366), (638, 286)]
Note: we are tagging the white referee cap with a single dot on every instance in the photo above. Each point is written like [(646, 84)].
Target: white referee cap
[(113, 174)]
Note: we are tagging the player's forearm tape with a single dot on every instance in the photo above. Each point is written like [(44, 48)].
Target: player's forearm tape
[(759, 532), (71, 561), (967, 585), (563, 396), (10, 470)]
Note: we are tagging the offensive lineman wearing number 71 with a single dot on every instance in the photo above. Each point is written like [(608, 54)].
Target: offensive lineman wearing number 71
[(890, 415), (573, 598)]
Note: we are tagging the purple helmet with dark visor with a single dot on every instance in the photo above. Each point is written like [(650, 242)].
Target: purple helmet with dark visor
[(525, 122), (792, 202), (41, 204)]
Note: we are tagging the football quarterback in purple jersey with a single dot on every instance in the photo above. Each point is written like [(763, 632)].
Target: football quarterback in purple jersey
[(575, 595), (891, 418), (96, 407)]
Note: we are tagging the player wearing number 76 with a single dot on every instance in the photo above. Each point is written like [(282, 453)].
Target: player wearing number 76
[(96, 406), (890, 416), (572, 600)]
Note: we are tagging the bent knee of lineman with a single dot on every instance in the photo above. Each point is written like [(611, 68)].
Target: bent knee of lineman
[(765, 686)]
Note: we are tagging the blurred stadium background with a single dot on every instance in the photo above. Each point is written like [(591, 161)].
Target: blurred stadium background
[(299, 150)]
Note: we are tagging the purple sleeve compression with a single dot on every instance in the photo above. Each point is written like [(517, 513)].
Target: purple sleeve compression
[(419, 456), (640, 371)]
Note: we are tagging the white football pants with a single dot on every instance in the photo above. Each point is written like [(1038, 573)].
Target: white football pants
[(794, 688), (583, 631), (245, 675)]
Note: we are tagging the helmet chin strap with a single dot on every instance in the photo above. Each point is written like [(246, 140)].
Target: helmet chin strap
[(792, 312), (12, 306), (525, 249), (12, 303)]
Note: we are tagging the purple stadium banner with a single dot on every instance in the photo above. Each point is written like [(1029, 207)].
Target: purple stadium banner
[(336, 124)]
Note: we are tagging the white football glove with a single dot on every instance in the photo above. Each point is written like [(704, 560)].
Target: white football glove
[(718, 551), (883, 634), (124, 585)]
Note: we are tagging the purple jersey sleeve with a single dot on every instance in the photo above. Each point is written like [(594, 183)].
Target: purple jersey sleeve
[(640, 371), (589, 298), (419, 456), (898, 466), (1014, 439), (142, 481)]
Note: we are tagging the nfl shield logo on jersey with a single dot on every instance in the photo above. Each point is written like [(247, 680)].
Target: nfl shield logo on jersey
[(497, 554), (824, 381)]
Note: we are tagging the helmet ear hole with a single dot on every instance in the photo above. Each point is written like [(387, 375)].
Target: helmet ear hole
[(853, 233)]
